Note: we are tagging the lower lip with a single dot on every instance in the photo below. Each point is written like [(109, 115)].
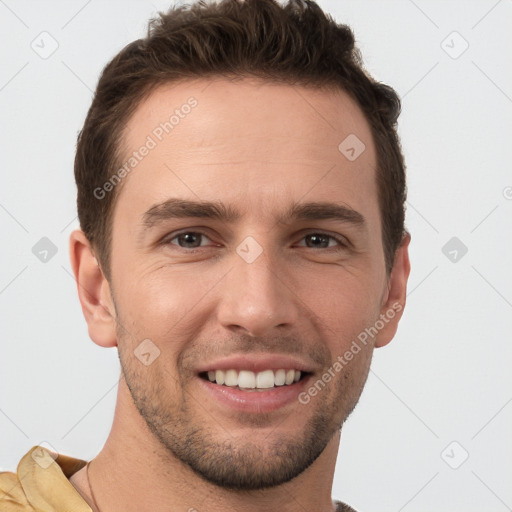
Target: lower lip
[(256, 401)]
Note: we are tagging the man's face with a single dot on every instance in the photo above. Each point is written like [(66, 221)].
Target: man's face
[(259, 291)]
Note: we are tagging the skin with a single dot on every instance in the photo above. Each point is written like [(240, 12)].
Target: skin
[(170, 443)]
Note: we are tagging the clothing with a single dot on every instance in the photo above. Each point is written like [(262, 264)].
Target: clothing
[(41, 484)]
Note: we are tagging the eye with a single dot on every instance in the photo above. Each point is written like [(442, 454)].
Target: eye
[(323, 241), (187, 239), (317, 240)]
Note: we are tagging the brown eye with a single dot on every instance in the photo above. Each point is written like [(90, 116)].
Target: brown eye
[(318, 241), (323, 241)]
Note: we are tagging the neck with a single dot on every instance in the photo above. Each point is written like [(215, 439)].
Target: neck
[(135, 471)]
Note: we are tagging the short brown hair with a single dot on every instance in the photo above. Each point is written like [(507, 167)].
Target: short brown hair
[(295, 44)]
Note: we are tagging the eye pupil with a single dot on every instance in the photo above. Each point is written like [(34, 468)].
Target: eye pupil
[(318, 238), (190, 239)]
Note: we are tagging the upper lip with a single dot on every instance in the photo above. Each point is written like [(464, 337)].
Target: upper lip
[(256, 363)]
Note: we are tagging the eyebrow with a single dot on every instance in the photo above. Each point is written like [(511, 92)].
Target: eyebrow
[(174, 208)]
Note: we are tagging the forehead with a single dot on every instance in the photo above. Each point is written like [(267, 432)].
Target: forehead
[(248, 141)]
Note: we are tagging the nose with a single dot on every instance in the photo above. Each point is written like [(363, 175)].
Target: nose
[(258, 298)]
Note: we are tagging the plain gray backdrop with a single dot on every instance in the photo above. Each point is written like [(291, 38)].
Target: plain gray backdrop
[(432, 429)]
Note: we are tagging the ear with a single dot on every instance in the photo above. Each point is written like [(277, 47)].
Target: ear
[(93, 291), (393, 301)]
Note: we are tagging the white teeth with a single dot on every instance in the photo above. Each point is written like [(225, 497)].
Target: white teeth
[(219, 376), (246, 379), (265, 379), (231, 378), (279, 378)]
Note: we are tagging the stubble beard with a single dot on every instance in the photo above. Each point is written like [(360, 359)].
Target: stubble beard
[(226, 460)]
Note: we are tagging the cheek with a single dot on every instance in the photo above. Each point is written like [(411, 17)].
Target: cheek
[(345, 303), (159, 297), (167, 306), (149, 351), (155, 388)]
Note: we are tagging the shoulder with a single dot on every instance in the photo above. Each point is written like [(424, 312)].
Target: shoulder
[(12, 497), (41, 479)]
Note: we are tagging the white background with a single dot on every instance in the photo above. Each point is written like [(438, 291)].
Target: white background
[(446, 376)]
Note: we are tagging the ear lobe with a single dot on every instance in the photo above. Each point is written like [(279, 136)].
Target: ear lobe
[(93, 291), (393, 303)]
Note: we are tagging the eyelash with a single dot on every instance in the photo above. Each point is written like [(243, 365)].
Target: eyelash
[(341, 241)]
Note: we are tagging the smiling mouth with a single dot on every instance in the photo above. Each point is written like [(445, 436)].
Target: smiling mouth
[(247, 380)]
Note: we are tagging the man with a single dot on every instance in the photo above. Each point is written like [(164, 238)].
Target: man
[(241, 196)]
